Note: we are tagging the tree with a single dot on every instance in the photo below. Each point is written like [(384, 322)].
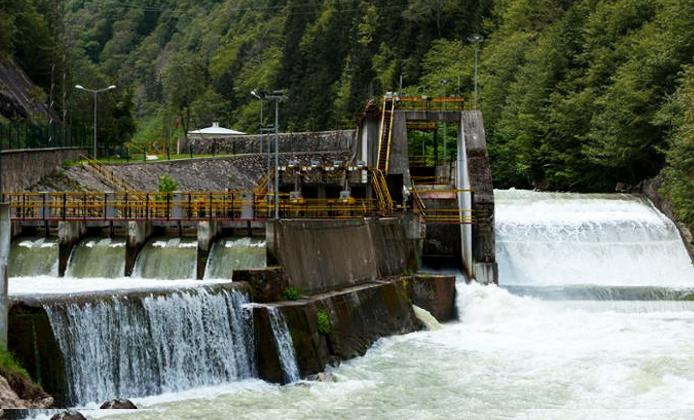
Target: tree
[(183, 80)]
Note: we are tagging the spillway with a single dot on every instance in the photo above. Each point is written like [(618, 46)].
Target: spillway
[(97, 258), (167, 258), (284, 345), (562, 239), (35, 256), (231, 254), (130, 346)]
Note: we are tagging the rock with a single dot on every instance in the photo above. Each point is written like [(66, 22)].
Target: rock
[(30, 396), (118, 404), (69, 415), (323, 377)]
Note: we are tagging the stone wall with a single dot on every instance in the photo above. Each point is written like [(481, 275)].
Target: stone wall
[(321, 141), (24, 168), (320, 255)]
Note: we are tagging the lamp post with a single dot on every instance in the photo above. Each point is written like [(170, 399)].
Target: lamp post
[(277, 96), (95, 92), (476, 39), (256, 93)]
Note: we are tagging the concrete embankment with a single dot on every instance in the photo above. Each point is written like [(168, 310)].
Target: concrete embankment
[(23, 168)]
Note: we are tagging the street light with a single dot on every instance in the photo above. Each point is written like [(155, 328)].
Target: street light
[(476, 39), (277, 96), (95, 92)]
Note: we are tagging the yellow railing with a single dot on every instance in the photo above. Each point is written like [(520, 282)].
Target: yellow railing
[(107, 175), (380, 187), (426, 103), (243, 205)]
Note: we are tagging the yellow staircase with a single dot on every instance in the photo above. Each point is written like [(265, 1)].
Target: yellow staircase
[(106, 175), (386, 134), (385, 201)]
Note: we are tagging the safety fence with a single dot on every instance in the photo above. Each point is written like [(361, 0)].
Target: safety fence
[(24, 135)]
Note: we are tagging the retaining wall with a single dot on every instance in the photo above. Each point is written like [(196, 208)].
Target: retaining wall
[(334, 254), (24, 168), (321, 141)]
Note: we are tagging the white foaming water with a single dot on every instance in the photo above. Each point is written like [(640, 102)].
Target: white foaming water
[(509, 357), (49, 285), (129, 347), (604, 239), (284, 344)]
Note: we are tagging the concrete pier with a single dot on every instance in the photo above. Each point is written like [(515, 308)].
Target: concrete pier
[(5, 238), (138, 234), (208, 232), (69, 234)]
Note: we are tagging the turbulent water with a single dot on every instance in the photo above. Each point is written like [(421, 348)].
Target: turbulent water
[(159, 343), (97, 258), (169, 259), (31, 257), (572, 351), (559, 239), (228, 255), (285, 346)]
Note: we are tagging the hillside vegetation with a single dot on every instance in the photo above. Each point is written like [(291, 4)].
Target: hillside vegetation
[(577, 94)]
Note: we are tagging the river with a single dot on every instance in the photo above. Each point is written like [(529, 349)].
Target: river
[(618, 350)]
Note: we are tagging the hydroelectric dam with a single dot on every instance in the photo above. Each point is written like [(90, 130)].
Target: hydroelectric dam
[(197, 304)]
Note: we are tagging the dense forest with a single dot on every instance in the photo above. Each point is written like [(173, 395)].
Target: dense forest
[(576, 94)]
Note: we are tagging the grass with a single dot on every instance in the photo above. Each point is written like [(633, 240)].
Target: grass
[(18, 378), (10, 366), (140, 159)]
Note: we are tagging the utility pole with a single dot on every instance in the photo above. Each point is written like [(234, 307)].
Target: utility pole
[(277, 96), (95, 92), (476, 39)]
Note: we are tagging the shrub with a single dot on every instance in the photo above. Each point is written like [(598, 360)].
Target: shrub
[(323, 321), (290, 293), (167, 184)]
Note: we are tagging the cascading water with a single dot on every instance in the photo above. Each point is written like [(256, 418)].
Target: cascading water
[(97, 258), (30, 257), (562, 239), (285, 346), (129, 347), (514, 356), (169, 259), (228, 255)]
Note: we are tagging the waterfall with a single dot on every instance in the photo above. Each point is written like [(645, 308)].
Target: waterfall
[(30, 257), (426, 318), (228, 255), (170, 259), (139, 346), (285, 346), (97, 258), (562, 239)]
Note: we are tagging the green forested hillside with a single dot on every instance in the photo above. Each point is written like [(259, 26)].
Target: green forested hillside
[(577, 94)]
